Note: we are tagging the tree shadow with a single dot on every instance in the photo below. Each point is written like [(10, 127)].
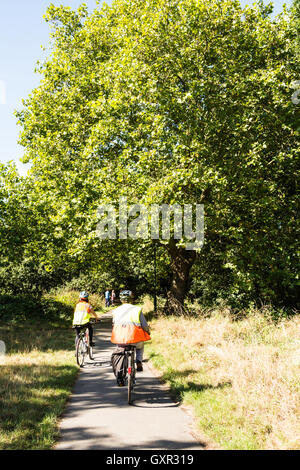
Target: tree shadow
[(33, 309), (28, 337), (178, 389), (78, 438)]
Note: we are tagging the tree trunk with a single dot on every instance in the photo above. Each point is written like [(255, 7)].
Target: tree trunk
[(181, 262)]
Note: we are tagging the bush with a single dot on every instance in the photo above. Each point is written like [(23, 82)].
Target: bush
[(28, 278), (45, 309), (69, 298), (18, 308), (95, 283)]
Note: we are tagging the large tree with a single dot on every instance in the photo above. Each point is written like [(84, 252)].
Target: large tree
[(171, 102)]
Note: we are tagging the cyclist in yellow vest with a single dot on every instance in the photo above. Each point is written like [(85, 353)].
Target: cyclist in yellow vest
[(82, 314), (130, 326)]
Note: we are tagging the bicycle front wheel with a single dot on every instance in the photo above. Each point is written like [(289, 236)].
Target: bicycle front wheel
[(80, 352)]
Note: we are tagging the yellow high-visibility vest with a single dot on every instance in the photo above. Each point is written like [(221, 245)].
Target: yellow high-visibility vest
[(82, 313)]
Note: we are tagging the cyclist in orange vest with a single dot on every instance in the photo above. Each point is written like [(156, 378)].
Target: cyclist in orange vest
[(130, 326), (82, 314)]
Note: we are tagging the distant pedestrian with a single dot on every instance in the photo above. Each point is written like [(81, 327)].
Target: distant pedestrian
[(107, 298), (113, 296)]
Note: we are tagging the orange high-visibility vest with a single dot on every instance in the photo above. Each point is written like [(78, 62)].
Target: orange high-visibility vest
[(127, 327), (82, 313)]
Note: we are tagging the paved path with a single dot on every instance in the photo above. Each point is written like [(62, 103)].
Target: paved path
[(99, 417)]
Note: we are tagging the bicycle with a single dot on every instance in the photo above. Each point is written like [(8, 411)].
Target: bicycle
[(82, 345), (130, 352)]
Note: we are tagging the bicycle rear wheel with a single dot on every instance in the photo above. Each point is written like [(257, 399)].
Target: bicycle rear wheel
[(91, 353), (80, 352), (131, 377), (129, 383), (89, 347)]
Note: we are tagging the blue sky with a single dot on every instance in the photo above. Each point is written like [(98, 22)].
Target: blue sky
[(22, 33)]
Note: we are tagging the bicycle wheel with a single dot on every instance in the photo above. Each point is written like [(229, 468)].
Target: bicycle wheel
[(131, 375), (80, 352), (89, 347), (134, 366)]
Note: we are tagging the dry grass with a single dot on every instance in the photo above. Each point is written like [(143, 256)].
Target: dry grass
[(247, 369)]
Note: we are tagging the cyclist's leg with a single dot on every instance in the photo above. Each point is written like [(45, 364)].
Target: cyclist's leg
[(90, 328), (77, 329), (120, 364), (139, 355), (139, 351)]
